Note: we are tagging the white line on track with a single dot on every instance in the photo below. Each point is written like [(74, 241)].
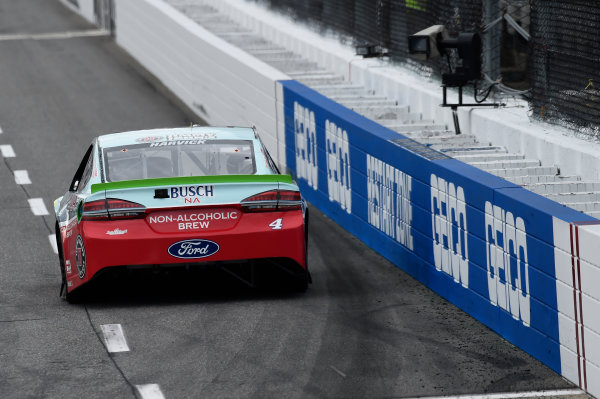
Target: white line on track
[(54, 35), (7, 151), (38, 207), (337, 371), (114, 338), (22, 177), (1, 130), (150, 391), (52, 239), (511, 395)]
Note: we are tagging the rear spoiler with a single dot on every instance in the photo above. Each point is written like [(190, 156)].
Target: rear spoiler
[(179, 181)]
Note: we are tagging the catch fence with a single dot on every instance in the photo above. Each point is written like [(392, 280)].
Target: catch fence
[(544, 50)]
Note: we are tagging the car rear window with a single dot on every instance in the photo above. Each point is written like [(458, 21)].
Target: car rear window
[(179, 158)]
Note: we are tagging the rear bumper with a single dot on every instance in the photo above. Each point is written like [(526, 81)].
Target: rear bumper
[(134, 242)]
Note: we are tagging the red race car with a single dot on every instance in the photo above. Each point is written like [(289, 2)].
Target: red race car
[(183, 197)]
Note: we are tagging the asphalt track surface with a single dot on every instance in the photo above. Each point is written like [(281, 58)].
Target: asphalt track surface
[(364, 329)]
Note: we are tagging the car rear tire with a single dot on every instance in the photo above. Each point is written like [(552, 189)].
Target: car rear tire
[(70, 297), (301, 285)]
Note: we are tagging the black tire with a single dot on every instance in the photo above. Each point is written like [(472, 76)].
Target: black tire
[(70, 297), (301, 284)]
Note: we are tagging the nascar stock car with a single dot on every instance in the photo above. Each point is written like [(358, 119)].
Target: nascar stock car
[(196, 196)]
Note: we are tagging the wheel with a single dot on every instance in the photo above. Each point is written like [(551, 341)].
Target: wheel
[(301, 285), (70, 297)]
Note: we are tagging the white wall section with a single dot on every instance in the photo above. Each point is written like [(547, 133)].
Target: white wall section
[(221, 83), (85, 8)]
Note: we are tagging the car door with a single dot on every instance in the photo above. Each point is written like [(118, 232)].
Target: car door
[(76, 194)]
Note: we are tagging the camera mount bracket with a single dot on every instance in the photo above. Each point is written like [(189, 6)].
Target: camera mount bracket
[(460, 103)]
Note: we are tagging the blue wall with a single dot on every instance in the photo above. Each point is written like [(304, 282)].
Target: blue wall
[(483, 243)]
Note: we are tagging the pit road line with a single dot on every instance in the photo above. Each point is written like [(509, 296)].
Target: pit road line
[(512, 395), (7, 151), (114, 339), (52, 239), (22, 177), (38, 207), (150, 391)]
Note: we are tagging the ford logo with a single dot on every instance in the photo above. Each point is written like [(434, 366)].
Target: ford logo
[(193, 249)]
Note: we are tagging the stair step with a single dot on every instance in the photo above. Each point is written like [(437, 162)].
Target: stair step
[(508, 164), (329, 90), (566, 187), (469, 158), (536, 179), (567, 198), (446, 139), (381, 112)]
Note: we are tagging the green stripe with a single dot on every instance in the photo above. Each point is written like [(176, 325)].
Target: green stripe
[(420, 5), (180, 181)]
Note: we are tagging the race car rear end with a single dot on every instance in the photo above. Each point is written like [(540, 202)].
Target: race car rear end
[(236, 222)]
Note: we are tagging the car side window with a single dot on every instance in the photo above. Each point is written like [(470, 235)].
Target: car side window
[(87, 173), (84, 171)]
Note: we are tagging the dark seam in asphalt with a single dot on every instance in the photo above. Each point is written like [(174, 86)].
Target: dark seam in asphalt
[(112, 359), (50, 230)]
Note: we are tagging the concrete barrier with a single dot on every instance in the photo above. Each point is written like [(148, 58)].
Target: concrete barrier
[(523, 265)]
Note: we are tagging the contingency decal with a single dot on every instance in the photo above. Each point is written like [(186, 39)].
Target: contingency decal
[(390, 209), (116, 232), (191, 195), (449, 228), (193, 249), (80, 257), (337, 146), (507, 267), (339, 182), (149, 139), (305, 136), (171, 221)]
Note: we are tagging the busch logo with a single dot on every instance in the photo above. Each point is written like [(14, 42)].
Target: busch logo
[(200, 191), (192, 249), (305, 134), (389, 204), (338, 166), (190, 194), (449, 227), (507, 268)]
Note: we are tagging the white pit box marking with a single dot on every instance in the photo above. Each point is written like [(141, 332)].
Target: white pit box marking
[(114, 338)]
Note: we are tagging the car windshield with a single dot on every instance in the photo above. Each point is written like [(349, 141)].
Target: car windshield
[(178, 159)]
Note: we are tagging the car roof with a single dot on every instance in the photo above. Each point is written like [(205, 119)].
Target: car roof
[(176, 134)]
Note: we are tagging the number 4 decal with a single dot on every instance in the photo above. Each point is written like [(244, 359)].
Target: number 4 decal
[(276, 224)]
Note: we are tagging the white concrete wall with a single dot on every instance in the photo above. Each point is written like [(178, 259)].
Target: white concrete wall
[(577, 260), (85, 8), (221, 83)]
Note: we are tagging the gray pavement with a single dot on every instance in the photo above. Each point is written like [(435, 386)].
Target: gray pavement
[(364, 329)]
